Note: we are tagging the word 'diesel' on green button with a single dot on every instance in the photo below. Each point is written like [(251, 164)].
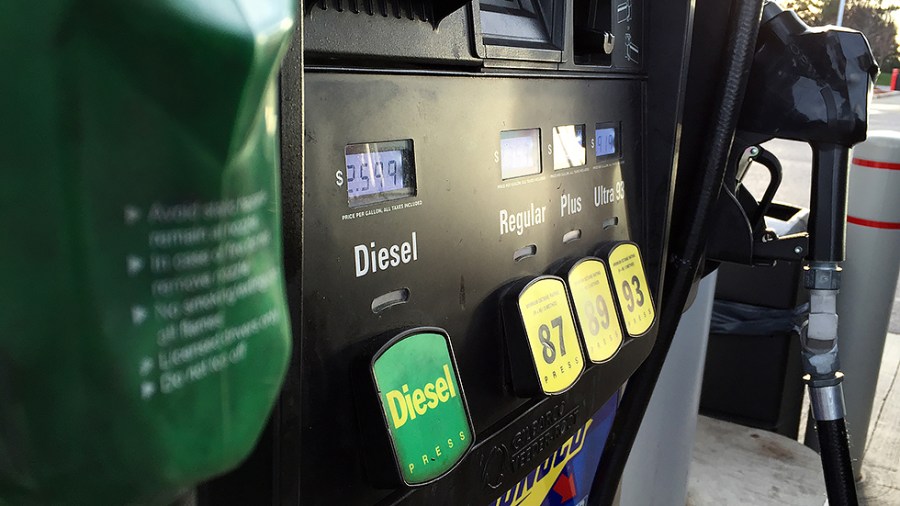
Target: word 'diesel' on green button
[(422, 402)]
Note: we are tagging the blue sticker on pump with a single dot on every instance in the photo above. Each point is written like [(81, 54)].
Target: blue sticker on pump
[(564, 478)]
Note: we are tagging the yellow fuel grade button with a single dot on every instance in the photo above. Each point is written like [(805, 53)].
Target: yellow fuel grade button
[(595, 308), (630, 284), (544, 348)]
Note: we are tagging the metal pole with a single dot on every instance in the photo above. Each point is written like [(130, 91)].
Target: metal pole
[(840, 19)]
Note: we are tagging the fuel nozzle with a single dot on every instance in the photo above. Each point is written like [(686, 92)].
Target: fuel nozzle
[(806, 84), (814, 85)]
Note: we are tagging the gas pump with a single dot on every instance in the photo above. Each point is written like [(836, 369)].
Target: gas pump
[(472, 249), (458, 202), (475, 214)]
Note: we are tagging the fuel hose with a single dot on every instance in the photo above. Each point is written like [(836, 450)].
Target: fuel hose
[(687, 259), (835, 453)]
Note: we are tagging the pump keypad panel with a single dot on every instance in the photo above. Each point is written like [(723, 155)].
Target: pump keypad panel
[(476, 229)]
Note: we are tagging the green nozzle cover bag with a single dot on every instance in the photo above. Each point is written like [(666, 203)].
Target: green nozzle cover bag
[(143, 328)]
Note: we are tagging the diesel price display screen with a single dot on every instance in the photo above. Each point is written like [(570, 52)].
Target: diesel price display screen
[(379, 171)]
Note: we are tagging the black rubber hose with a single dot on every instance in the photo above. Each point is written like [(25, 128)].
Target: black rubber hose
[(834, 447), (686, 260)]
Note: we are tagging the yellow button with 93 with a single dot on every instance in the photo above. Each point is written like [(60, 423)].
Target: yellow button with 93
[(632, 292)]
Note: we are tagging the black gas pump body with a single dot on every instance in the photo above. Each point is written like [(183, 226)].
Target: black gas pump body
[(447, 85)]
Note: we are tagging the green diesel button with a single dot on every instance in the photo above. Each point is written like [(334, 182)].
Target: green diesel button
[(422, 404)]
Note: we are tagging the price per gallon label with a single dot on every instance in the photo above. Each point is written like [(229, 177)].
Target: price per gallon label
[(596, 311), (550, 330), (630, 283), (423, 405)]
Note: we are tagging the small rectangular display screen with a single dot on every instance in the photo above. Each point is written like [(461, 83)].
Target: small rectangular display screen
[(520, 153), (568, 146), (605, 140), (379, 171)]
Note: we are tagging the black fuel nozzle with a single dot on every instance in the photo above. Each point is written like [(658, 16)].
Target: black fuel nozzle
[(805, 84), (813, 85)]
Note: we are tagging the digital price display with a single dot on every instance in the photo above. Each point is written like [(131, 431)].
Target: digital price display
[(520, 153), (568, 147), (379, 171), (605, 140)]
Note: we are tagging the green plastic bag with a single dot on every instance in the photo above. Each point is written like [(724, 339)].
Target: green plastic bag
[(144, 332)]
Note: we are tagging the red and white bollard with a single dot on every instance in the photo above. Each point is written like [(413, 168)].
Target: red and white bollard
[(869, 278)]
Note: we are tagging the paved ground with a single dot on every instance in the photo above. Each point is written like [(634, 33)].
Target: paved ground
[(796, 159), (733, 464)]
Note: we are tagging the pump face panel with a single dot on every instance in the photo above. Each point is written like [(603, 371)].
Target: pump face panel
[(435, 184), (448, 249)]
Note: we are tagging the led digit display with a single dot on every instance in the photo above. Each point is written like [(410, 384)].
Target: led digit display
[(371, 173), (379, 171), (605, 140), (520, 153), (568, 146)]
